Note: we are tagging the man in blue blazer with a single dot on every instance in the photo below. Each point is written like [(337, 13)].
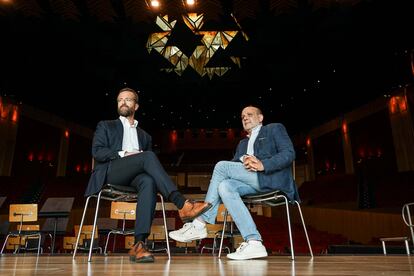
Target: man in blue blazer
[(123, 156), (262, 162)]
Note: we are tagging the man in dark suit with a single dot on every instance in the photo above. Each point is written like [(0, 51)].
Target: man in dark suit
[(123, 156), (263, 162)]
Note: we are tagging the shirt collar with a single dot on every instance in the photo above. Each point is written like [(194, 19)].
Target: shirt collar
[(255, 130), (125, 122)]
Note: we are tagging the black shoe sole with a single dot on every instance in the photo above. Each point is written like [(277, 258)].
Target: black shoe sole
[(146, 259)]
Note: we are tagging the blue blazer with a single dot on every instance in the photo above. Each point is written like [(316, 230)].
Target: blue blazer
[(107, 142), (275, 149)]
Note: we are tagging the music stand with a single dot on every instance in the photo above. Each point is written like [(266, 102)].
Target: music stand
[(57, 209)]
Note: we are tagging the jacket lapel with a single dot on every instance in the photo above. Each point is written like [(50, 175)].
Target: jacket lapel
[(120, 130), (141, 139), (260, 135)]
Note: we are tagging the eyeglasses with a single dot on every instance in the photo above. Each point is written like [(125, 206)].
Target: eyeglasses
[(128, 100)]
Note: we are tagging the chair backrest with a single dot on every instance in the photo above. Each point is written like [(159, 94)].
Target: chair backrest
[(168, 206), (220, 214), (212, 230), (157, 233), (160, 221), (408, 213), (408, 217), (27, 227), (129, 242), (123, 210), (69, 243), (22, 212), (86, 231)]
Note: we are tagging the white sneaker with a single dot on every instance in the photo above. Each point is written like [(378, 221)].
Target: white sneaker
[(248, 251), (188, 233)]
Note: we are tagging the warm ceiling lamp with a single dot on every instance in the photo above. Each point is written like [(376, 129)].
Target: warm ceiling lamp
[(155, 3), (190, 2)]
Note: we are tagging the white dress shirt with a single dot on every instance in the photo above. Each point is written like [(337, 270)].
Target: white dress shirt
[(252, 139), (130, 139)]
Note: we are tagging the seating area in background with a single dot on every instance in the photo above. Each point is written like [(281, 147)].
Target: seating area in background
[(273, 229), (344, 188), (336, 188)]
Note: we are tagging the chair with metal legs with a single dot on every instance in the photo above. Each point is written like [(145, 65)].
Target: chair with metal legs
[(115, 193), (272, 199), (124, 211), (86, 241), (23, 213), (213, 234), (407, 215)]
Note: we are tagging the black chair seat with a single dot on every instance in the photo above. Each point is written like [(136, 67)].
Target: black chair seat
[(24, 233), (121, 231), (272, 198), (262, 194), (124, 189), (118, 193)]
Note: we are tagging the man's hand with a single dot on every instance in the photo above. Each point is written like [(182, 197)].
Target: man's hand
[(252, 164)]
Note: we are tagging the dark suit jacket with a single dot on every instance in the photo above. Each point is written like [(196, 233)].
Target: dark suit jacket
[(106, 144), (274, 148)]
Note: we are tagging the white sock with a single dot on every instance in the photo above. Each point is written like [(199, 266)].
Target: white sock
[(199, 223), (254, 242)]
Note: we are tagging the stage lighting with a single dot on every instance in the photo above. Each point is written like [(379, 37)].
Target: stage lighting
[(155, 3)]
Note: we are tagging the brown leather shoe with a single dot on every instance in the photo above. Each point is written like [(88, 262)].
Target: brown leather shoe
[(140, 254), (192, 209)]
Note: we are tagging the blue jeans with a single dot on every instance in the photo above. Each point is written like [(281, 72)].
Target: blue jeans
[(229, 182)]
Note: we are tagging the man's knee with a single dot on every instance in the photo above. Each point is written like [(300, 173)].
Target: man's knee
[(226, 189), (144, 182), (221, 165), (148, 155)]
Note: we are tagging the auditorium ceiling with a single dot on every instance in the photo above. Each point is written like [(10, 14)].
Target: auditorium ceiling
[(302, 61)]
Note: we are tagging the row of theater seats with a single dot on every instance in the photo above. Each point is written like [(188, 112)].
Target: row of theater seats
[(343, 188), (70, 186), (274, 233)]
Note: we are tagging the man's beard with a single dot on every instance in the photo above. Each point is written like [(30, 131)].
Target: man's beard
[(125, 112)]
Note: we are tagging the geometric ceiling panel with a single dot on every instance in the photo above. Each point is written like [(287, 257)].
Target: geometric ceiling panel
[(185, 44)]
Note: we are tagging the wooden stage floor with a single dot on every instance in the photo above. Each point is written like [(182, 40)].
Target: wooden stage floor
[(398, 265)]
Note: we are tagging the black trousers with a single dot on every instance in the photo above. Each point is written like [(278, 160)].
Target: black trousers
[(145, 173)]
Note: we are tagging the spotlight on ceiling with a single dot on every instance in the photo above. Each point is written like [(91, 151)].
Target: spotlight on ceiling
[(189, 4), (155, 3)]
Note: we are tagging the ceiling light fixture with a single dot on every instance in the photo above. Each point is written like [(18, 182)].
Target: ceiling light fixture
[(155, 3)]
